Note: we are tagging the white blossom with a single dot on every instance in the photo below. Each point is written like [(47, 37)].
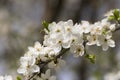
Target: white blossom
[(109, 13), (35, 51), (96, 28), (92, 39), (112, 76), (1, 78), (28, 66), (47, 76), (34, 55), (6, 77), (77, 49), (59, 36), (112, 27), (106, 42), (57, 64), (85, 27), (106, 25)]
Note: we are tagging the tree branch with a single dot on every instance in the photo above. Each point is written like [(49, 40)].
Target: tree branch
[(118, 28), (43, 64), (48, 61)]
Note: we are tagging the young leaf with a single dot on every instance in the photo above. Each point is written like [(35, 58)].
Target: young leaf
[(18, 78), (119, 18), (116, 14), (45, 25), (91, 57), (111, 18)]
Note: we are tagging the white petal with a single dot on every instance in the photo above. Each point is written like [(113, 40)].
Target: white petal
[(1, 78), (98, 43), (70, 22), (21, 70), (81, 53), (57, 48), (31, 49), (66, 44), (105, 47), (72, 48), (32, 61), (111, 43), (37, 45), (76, 29), (112, 27), (52, 26), (24, 61), (51, 65), (108, 35), (8, 77), (35, 68)]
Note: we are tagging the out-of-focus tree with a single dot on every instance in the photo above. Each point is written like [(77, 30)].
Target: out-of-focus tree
[(20, 26)]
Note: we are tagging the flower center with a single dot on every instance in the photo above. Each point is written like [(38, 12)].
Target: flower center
[(105, 40), (59, 41), (79, 50), (68, 29), (58, 30)]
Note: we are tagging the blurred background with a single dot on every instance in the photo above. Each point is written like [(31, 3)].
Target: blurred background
[(20, 27)]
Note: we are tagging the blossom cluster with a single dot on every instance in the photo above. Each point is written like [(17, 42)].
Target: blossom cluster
[(36, 55), (65, 35), (112, 76), (30, 62), (6, 77), (46, 76)]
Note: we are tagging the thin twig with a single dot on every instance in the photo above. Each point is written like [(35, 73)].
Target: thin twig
[(48, 61), (58, 56), (118, 28)]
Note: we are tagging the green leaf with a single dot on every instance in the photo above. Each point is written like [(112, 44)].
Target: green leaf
[(45, 25), (91, 57), (116, 13), (119, 18), (18, 78), (111, 18)]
